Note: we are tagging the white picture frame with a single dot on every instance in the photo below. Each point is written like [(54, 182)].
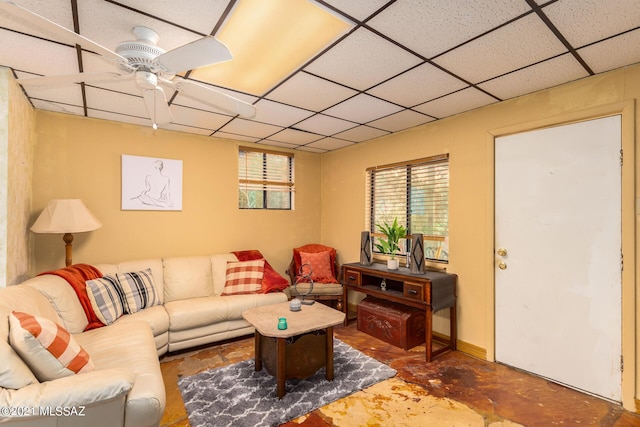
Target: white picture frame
[(151, 184)]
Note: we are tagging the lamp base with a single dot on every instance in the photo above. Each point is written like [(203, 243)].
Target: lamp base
[(68, 239)]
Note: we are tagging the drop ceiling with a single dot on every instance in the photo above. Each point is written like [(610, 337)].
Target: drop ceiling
[(403, 63)]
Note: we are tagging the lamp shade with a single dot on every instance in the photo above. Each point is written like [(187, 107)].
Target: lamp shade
[(65, 216)]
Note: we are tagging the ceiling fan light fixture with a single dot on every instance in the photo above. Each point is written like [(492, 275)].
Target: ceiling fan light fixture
[(270, 40)]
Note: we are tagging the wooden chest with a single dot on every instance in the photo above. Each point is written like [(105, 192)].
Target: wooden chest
[(396, 324)]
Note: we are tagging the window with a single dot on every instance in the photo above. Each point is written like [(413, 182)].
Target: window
[(265, 179), (417, 193)]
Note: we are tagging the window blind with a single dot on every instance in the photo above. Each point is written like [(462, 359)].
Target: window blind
[(265, 179), (417, 194)]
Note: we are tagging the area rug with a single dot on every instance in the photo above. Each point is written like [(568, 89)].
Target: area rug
[(237, 395)]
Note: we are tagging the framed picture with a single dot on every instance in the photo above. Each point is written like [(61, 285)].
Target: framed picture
[(151, 184)]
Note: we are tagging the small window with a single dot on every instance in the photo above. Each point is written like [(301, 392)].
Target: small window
[(265, 179), (417, 194)]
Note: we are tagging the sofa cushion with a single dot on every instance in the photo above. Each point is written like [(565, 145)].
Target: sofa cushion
[(196, 312), (244, 277), (138, 289), (49, 350), (63, 298), (219, 271), (106, 298), (130, 345), (187, 277), (236, 304)]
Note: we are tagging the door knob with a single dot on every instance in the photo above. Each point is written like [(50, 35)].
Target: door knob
[(502, 266), (502, 252)]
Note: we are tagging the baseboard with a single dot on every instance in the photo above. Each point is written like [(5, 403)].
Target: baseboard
[(463, 347)]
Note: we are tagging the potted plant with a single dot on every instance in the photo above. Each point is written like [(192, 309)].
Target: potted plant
[(389, 246)]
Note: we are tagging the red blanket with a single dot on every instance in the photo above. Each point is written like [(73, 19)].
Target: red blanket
[(77, 275), (271, 281)]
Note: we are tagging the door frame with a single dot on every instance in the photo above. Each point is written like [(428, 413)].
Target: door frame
[(626, 109)]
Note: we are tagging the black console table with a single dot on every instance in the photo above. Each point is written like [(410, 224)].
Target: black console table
[(431, 291)]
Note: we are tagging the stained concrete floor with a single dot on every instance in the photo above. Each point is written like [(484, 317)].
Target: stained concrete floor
[(453, 390)]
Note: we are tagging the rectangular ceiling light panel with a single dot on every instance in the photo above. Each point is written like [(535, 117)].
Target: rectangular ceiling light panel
[(269, 40)]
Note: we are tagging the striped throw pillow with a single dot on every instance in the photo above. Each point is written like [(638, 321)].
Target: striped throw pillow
[(107, 298), (139, 290), (244, 277), (46, 347)]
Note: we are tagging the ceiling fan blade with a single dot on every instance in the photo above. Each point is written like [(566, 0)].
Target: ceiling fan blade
[(157, 106), (58, 32), (215, 99), (70, 78), (205, 51)]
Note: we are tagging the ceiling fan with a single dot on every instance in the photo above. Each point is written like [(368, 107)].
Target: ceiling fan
[(151, 67)]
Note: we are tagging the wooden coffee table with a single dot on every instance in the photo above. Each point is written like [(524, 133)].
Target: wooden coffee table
[(301, 349)]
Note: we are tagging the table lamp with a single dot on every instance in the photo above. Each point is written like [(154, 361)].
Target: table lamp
[(66, 216)]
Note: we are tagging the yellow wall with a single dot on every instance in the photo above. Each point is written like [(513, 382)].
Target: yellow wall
[(81, 158), (468, 138)]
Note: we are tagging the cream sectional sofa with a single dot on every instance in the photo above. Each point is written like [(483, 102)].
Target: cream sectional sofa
[(126, 388)]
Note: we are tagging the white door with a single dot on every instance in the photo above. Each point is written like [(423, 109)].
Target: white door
[(558, 289)]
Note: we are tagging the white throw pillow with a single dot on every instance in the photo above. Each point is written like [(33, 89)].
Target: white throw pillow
[(49, 350)]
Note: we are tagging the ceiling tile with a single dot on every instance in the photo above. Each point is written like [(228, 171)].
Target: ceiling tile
[(115, 117), (509, 48), (612, 53), (330, 144), (363, 108), (293, 136), (430, 27), (58, 11), (572, 17), (105, 100), (279, 114), (278, 144), (418, 85), (249, 128), (197, 118), (67, 94), (360, 133), (540, 76), (324, 125), (58, 107), (201, 16), (109, 24), (235, 137), (42, 57), (359, 9), (310, 92), (187, 129), (311, 149), (362, 60), (193, 103), (465, 100), (399, 121)]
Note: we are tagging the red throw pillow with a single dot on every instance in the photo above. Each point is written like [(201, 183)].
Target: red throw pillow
[(320, 263), (314, 248)]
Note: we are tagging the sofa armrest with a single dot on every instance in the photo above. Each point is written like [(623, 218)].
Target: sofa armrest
[(75, 390)]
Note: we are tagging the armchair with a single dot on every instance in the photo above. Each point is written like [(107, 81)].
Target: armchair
[(325, 274)]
